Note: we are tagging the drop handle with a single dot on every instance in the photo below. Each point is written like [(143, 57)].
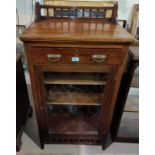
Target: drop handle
[(99, 58), (54, 57)]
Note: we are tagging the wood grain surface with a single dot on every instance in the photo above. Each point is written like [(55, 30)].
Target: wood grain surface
[(76, 30)]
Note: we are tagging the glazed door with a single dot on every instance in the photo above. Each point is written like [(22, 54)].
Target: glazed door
[(75, 101)]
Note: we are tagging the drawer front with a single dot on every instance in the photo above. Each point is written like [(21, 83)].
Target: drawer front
[(43, 55)]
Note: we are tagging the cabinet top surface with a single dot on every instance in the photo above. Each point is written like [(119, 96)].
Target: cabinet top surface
[(76, 31)]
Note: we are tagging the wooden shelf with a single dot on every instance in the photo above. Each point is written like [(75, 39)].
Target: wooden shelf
[(132, 104), (74, 82), (129, 126), (64, 123), (75, 78), (73, 98), (74, 94)]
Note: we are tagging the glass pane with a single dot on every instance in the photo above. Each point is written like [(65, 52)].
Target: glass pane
[(73, 119), (74, 101)]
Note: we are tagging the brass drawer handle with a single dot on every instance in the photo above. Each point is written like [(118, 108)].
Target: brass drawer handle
[(99, 58), (54, 57)]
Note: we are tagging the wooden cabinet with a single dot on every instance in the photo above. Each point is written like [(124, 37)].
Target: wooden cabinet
[(75, 67), (23, 107)]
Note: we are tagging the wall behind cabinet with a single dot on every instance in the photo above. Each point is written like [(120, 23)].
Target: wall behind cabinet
[(25, 9)]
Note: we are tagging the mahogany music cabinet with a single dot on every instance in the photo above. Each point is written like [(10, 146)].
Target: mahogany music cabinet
[(76, 59)]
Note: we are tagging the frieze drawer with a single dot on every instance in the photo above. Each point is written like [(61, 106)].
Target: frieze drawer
[(47, 55)]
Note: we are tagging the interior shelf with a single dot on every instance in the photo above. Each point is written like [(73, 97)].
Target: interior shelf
[(75, 78), (129, 126), (64, 123), (74, 95), (132, 104), (74, 81)]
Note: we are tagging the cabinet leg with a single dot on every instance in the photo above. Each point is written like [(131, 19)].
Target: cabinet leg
[(107, 142), (18, 139), (42, 145), (18, 146)]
